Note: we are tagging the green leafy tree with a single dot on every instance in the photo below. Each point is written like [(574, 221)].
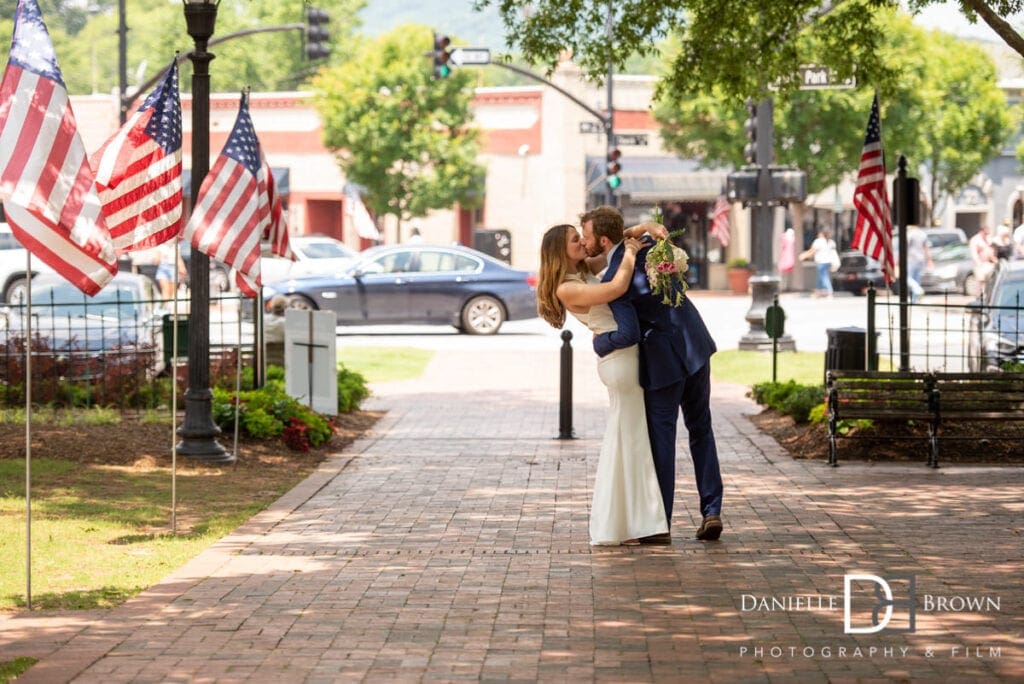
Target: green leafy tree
[(945, 113), (737, 47), (401, 135), (86, 42)]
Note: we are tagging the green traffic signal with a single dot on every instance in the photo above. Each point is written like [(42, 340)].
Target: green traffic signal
[(441, 57)]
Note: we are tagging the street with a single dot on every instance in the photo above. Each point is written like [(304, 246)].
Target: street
[(807, 320)]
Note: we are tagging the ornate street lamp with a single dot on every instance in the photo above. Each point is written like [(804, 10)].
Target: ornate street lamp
[(198, 431)]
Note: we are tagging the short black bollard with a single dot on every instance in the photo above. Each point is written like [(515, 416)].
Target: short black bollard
[(565, 430)]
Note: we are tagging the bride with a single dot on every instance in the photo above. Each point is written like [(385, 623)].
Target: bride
[(627, 502)]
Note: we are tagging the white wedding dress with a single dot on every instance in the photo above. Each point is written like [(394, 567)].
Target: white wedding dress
[(627, 501)]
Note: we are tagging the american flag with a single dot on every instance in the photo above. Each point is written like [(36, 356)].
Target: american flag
[(276, 229), (720, 221), (231, 207), (873, 233), (46, 182), (138, 172)]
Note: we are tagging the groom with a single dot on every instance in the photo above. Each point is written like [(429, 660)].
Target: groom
[(675, 371)]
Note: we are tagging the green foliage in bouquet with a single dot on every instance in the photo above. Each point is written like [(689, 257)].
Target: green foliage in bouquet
[(666, 268)]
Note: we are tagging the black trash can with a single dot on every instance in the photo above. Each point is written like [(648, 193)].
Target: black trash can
[(846, 349)]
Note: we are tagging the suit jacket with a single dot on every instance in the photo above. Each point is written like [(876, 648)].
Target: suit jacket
[(674, 341)]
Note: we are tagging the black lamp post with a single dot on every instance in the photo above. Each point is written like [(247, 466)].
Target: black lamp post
[(198, 432)]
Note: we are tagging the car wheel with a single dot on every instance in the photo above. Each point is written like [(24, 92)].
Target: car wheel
[(971, 286), (483, 315), (220, 281), (297, 301), (15, 293)]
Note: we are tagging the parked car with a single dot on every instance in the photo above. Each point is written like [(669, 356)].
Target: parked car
[(120, 325), (942, 237), (856, 272), (952, 271), (452, 285), (314, 255), (13, 262), (996, 320)]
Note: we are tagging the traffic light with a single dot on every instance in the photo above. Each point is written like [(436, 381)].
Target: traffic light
[(317, 34), (441, 56), (612, 169), (750, 128)]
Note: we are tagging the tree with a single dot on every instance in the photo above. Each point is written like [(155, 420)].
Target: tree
[(87, 43), (737, 47), (399, 134), (945, 114)]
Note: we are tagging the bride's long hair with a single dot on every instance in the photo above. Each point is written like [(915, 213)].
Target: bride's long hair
[(554, 267)]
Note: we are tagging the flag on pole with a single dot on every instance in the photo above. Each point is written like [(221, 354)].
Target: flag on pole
[(276, 229), (46, 183), (138, 172), (873, 232), (720, 221), (359, 215), (231, 208)]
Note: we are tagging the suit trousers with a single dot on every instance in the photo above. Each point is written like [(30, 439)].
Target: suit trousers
[(693, 397)]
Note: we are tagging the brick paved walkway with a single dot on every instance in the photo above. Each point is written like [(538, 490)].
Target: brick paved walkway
[(451, 543)]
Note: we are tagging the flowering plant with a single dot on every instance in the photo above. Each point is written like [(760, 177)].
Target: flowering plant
[(666, 268)]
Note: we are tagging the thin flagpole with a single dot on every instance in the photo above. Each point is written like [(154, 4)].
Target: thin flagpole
[(28, 429), (238, 378), (174, 397)]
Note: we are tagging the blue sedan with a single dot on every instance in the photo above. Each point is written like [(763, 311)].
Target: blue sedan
[(419, 284)]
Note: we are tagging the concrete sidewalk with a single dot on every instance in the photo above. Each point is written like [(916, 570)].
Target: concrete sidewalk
[(451, 543)]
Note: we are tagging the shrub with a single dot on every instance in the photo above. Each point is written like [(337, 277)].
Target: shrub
[(352, 389), (789, 398), (268, 412)]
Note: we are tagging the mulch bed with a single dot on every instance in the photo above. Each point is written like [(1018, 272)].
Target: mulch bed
[(981, 442), (144, 445)]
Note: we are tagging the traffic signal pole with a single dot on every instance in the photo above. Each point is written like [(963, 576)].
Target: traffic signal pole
[(612, 168), (764, 284)]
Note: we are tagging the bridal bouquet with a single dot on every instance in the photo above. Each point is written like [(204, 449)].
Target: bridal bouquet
[(666, 270)]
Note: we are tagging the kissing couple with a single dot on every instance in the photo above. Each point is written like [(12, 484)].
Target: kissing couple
[(653, 357)]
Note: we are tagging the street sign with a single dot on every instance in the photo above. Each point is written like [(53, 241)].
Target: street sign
[(820, 78), (631, 139), (470, 56), (590, 127)]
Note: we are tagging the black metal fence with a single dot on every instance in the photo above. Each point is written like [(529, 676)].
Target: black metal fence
[(947, 334), (114, 350)]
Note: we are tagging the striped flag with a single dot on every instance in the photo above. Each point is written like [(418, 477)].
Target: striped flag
[(720, 221), (276, 230), (46, 183), (231, 207), (138, 172), (873, 232)]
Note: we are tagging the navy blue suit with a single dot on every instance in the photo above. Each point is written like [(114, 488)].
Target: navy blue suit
[(675, 373)]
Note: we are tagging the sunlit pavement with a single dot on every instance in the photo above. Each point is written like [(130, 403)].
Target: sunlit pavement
[(451, 543)]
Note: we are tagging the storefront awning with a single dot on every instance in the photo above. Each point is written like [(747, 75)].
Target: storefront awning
[(659, 179), (282, 180)]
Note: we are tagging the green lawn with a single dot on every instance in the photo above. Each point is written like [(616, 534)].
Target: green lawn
[(751, 367), (385, 364), (101, 534)]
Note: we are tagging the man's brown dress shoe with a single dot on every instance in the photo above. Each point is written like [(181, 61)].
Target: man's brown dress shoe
[(710, 528)]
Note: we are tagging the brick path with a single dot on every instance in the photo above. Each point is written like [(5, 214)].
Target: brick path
[(451, 543)]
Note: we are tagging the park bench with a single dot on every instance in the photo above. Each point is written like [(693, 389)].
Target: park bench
[(881, 396), (972, 397), (938, 398)]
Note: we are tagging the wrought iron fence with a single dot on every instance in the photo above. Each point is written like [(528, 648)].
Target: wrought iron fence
[(114, 351), (949, 334)]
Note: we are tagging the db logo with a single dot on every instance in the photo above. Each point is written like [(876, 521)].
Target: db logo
[(884, 602)]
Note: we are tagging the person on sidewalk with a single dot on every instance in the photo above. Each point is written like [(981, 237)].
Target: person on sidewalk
[(919, 257), (826, 259), (675, 370), (626, 503)]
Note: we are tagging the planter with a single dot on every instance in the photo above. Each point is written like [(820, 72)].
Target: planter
[(739, 280)]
